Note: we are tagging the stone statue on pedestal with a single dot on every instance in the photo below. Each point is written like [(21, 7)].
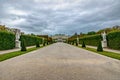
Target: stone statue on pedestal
[(77, 40), (17, 35), (104, 36), (104, 41)]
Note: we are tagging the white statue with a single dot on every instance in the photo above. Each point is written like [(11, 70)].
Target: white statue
[(104, 42), (77, 39), (104, 36), (17, 35)]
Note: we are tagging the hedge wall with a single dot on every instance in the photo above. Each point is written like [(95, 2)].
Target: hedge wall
[(114, 40), (7, 40), (30, 40), (92, 40)]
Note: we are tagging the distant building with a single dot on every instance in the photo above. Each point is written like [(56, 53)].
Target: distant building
[(60, 37)]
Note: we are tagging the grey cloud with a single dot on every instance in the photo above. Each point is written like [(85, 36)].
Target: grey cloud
[(59, 16)]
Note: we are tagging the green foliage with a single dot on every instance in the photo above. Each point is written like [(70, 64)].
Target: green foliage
[(7, 40), (23, 45), (99, 48), (76, 44), (31, 40), (91, 33), (92, 40), (83, 45), (114, 40), (37, 44), (44, 44)]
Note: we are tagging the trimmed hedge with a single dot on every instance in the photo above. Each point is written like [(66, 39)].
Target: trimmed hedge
[(92, 40), (31, 40), (7, 40), (114, 40)]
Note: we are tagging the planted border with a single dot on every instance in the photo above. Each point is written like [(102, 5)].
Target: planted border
[(7, 40), (114, 40), (91, 40)]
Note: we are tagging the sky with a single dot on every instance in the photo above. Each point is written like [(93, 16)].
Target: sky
[(59, 16)]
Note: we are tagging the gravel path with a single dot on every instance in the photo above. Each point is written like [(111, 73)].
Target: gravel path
[(60, 61)]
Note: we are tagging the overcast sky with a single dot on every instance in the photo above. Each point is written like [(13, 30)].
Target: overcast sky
[(59, 16)]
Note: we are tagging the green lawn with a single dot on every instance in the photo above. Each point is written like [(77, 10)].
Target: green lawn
[(105, 53), (16, 53)]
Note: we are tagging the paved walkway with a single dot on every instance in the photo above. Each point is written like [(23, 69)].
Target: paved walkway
[(12, 50), (60, 61)]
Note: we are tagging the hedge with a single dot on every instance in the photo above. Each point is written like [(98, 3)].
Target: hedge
[(92, 40), (30, 40), (114, 40), (7, 40)]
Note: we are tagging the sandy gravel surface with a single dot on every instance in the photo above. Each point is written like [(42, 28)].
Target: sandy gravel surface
[(60, 61)]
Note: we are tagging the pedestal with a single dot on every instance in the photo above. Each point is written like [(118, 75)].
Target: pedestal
[(17, 44), (104, 44)]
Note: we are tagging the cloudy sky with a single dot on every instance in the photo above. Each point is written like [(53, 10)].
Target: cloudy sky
[(59, 16)]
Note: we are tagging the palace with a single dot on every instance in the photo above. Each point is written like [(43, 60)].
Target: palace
[(60, 37)]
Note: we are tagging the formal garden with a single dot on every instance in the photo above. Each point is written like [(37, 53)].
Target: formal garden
[(111, 40), (10, 40), (101, 40)]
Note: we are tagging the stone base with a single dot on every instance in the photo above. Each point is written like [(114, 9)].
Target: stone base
[(104, 44), (17, 45)]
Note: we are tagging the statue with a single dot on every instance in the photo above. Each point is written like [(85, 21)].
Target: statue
[(17, 35), (104, 41), (77, 39), (104, 36)]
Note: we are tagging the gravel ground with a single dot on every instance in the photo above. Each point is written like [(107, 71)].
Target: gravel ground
[(60, 61)]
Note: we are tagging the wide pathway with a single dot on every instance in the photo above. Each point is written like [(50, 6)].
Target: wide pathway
[(60, 61)]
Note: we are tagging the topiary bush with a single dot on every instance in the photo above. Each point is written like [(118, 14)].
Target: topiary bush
[(99, 48), (7, 40), (37, 44), (23, 45), (44, 44), (83, 45)]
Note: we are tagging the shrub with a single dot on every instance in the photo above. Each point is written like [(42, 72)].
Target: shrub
[(83, 45), (37, 44), (114, 40), (23, 45), (92, 40), (76, 44), (44, 44), (99, 48), (31, 40), (7, 40)]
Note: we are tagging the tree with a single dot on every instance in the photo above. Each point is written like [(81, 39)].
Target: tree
[(23, 45), (75, 34), (83, 45), (99, 48)]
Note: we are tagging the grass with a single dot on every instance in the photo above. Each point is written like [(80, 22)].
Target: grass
[(16, 53), (105, 53)]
